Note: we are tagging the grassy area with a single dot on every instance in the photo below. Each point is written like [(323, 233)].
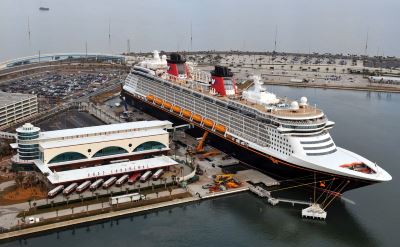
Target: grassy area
[(14, 194), (121, 206)]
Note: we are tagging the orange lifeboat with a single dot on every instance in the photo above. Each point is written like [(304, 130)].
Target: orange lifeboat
[(167, 105), (176, 109), (186, 113), (209, 123), (158, 101), (197, 118), (150, 97), (220, 128)]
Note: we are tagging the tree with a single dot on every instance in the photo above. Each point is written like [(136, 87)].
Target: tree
[(157, 194), (165, 182), (30, 203), (117, 201), (170, 191), (152, 186), (72, 210), (138, 187)]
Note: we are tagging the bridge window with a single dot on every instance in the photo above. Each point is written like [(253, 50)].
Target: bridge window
[(68, 156), (149, 146), (110, 151)]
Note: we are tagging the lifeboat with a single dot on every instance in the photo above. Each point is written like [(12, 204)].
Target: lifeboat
[(158, 101), (209, 123), (150, 98), (167, 105), (186, 113), (197, 118), (220, 128), (176, 109)]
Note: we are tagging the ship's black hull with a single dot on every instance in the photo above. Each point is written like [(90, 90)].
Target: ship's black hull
[(278, 169)]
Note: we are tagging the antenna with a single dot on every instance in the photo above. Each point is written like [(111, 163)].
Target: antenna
[(29, 31), (109, 34), (276, 34), (366, 44), (191, 37), (86, 50)]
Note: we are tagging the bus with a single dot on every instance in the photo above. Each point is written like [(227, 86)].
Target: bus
[(109, 182), (83, 186), (126, 198), (70, 188), (145, 176), (158, 174), (96, 184), (122, 180), (133, 178), (52, 193)]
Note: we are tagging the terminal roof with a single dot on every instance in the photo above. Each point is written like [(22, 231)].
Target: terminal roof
[(105, 129), (115, 169), (101, 138)]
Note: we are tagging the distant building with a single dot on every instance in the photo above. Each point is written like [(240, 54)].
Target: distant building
[(16, 106), (89, 146)]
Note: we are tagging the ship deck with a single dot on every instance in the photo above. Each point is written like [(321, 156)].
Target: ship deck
[(279, 112)]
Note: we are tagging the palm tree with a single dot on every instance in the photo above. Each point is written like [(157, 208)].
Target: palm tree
[(138, 187), (72, 210), (165, 182), (30, 203), (170, 191), (131, 196), (157, 194), (127, 190), (81, 197), (117, 201), (152, 186), (67, 198)]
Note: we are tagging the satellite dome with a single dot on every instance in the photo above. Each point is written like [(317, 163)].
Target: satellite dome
[(303, 101), (294, 105)]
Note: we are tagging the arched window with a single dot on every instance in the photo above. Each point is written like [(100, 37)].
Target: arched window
[(110, 151), (149, 146), (68, 156)]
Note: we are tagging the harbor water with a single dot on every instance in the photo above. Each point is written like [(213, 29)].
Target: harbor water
[(366, 122)]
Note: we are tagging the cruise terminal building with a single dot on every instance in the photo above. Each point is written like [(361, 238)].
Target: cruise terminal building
[(82, 152)]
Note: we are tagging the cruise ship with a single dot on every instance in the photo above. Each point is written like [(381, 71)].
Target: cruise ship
[(287, 139)]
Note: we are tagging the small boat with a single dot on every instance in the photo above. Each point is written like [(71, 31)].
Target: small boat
[(44, 8)]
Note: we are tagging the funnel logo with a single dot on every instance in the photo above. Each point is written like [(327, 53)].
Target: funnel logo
[(213, 81)]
